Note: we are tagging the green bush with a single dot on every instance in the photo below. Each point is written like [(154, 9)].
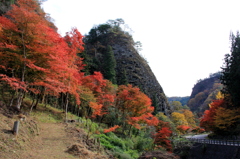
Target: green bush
[(133, 153), (129, 144), (121, 148), (120, 155)]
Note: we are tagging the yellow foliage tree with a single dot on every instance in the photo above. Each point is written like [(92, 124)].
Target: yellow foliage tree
[(225, 118), (189, 117), (219, 95), (179, 119)]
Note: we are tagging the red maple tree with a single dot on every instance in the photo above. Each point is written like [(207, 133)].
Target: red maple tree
[(135, 106), (161, 138), (207, 120)]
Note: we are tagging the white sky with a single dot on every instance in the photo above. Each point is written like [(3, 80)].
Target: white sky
[(183, 40)]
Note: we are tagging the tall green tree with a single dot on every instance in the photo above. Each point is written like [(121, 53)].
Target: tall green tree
[(231, 71), (110, 65), (123, 80), (154, 104)]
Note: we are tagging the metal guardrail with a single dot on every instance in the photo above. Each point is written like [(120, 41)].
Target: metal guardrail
[(217, 142)]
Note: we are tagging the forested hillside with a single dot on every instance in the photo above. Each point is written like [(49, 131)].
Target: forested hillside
[(203, 92)]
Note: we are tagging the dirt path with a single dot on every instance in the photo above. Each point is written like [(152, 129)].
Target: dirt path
[(52, 143)]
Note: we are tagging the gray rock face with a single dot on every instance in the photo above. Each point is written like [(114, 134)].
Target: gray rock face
[(130, 66), (139, 74), (4, 7)]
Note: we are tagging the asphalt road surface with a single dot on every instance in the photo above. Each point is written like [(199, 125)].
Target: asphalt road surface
[(204, 136)]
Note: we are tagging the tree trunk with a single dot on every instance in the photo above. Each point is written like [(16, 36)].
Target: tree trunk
[(20, 95), (43, 94), (62, 101), (38, 99), (66, 107), (19, 99), (12, 99)]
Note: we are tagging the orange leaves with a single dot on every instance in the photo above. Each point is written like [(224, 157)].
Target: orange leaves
[(18, 32), (31, 65), (147, 118), (0, 28), (97, 109), (94, 82), (197, 130), (6, 24), (208, 118), (24, 13), (183, 128), (165, 132), (37, 54), (131, 99), (74, 39), (13, 82), (102, 89), (135, 106), (111, 129)]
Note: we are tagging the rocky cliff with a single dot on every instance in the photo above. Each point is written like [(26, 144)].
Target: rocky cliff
[(139, 74), (130, 65), (203, 92), (5, 6)]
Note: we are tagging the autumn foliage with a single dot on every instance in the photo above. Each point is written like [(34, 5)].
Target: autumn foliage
[(208, 119), (34, 57), (111, 129), (220, 119), (135, 106), (183, 128), (103, 92), (161, 138)]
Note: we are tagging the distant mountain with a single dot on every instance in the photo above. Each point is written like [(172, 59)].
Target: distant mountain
[(203, 92), (182, 100)]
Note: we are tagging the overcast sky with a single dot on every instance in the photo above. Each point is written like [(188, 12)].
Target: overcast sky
[(183, 40)]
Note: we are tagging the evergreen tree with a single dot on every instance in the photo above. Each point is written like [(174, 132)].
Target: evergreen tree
[(231, 71), (123, 80), (91, 64), (110, 65), (154, 104)]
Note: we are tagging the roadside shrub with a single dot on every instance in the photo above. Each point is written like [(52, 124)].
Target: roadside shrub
[(121, 148)]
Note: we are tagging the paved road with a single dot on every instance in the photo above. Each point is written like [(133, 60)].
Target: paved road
[(204, 136)]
